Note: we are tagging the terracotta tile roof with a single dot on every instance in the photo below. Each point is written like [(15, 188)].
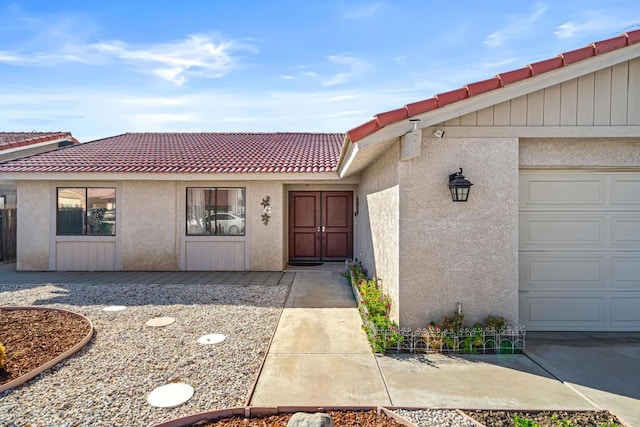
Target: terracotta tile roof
[(192, 153), (20, 139), (472, 89)]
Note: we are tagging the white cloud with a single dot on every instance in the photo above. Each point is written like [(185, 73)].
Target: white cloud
[(362, 10), (337, 70), (516, 25), (11, 57), (91, 114), (199, 55), (155, 101), (594, 22)]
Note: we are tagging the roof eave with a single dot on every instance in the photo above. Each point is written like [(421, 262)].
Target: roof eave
[(180, 176), (496, 96)]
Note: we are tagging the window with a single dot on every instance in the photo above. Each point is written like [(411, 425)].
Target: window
[(215, 211), (86, 212)]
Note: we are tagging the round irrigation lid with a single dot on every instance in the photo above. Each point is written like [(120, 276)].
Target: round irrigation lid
[(114, 308), (211, 339), (170, 395), (160, 321)]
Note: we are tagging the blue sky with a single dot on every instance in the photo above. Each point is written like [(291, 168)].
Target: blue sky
[(101, 68)]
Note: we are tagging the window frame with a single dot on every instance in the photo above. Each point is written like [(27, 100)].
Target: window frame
[(215, 207), (85, 214)]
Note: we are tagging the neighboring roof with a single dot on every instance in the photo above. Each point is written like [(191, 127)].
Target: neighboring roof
[(10, 140), (472, 89), (192, 153)]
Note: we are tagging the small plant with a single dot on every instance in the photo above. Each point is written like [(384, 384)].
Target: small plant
[(495, 322), (383, 333), (493, 335), (3, 352), (524, 422), (562, 422), (377, 303), (453, 322)]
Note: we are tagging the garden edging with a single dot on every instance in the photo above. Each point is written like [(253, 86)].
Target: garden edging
[(34, 373)]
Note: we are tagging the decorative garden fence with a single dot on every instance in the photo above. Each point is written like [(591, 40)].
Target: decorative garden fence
[(508, 340)]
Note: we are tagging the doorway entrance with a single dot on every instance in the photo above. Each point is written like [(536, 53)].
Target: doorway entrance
[(320, 225)]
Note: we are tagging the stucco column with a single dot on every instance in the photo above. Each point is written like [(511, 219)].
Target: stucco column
[(465, 252), (34, 210), (266, 240), (149, 226)]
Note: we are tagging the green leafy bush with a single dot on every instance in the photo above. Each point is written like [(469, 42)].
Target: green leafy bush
[(452, 334), (383, 333)]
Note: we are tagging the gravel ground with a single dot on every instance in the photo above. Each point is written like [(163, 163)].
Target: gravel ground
[(107, 383), (435, 418)]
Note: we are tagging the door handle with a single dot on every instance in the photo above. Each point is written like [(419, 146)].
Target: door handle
[(318, 229), (324, 229)]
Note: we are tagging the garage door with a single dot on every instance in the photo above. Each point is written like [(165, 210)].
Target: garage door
[(579, 251)]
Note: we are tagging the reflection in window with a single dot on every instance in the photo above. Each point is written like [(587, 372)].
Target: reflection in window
[(86, 212), (215, 211)]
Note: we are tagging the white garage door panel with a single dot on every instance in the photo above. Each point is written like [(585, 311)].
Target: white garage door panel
[(549, 271), (579, 260), (557, 190), (626, 272), (626, 231), (626, 191), (537, 229), (566, 308), (625, 310)]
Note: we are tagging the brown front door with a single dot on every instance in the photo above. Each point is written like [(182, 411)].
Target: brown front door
[(320, 225)]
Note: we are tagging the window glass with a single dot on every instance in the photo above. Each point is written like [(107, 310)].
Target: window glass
[(215, 211), (101, 211), (86, 211), (71, 209)]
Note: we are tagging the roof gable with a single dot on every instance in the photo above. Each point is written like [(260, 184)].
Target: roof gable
[(192, 153), (502, 80), (11, 140)]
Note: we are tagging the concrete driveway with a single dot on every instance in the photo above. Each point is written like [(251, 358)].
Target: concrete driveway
[(320, 357), (602, 367)]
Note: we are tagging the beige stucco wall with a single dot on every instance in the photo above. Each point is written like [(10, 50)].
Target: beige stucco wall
[(459, 252), (34, 226), (377, 222), (580, 152), (148, 226), (266, 241)]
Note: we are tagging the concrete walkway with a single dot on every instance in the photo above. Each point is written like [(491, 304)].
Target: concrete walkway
[(320, 357)]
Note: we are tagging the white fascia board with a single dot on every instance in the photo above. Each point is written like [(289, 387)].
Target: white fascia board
[(350, 155), (503, 94), (29, 146), (541, 131)]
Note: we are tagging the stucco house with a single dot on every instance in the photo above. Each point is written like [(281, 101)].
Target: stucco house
[(14, 145), (549, 235)]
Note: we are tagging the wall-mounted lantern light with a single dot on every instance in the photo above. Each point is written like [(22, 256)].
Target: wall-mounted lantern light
[(459, 187)]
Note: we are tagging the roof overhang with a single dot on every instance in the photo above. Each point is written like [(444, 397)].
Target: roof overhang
[(95, 176), (357, 157), (38, 144)]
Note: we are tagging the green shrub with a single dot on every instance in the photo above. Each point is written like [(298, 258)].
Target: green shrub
[(382, 332), (524, 422)]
